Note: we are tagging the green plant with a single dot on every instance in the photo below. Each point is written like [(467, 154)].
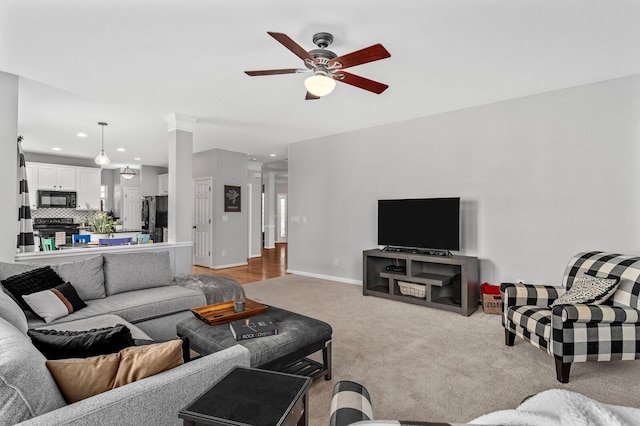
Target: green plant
[(100, 223)]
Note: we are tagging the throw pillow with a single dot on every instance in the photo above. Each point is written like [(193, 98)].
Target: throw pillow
[(54, 303), (31, 282), (78, 379), (81, 344), (588, 289)]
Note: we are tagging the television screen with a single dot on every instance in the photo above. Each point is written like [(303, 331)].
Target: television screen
[(426, 223)]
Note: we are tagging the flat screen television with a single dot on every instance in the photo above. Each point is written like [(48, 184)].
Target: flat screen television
[(421, 223)]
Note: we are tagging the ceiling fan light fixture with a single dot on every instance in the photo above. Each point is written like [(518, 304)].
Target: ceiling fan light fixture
[(101, 159), (128, 173), (319, 85)]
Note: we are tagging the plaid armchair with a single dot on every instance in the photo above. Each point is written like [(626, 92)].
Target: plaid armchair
[(578, 333)]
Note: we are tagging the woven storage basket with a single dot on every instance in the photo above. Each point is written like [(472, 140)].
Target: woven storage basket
[(412, 289), (492, 304)]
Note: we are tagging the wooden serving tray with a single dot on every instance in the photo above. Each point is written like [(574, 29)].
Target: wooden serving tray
[(219, 313)]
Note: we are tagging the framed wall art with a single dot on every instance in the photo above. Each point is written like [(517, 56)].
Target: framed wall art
[(231, 198)]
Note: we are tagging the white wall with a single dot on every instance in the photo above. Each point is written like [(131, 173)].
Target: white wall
[(229, 238), (541, 178), (254, 177), (9, 165)]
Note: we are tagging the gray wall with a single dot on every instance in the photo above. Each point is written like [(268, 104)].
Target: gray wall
[(149, 179), (229, 238), (8, 165), (541, 178), (254, 177)]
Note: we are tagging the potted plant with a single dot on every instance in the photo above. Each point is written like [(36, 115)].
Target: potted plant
[(101, 225)]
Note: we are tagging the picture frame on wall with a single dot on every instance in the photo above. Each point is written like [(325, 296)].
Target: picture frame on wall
[(232, 198)]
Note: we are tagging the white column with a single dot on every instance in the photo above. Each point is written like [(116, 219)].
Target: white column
[(180, 221), (269, 209), (9, 166)]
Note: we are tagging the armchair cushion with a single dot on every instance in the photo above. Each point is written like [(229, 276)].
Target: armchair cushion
[(589, 290)]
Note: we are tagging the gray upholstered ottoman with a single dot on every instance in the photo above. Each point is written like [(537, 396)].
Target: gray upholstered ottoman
[(298, 336)]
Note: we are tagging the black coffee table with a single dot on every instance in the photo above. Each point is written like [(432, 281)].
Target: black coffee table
[(298, 337), (249, 396)]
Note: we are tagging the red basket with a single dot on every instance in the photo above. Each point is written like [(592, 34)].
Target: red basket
[(491, 299)]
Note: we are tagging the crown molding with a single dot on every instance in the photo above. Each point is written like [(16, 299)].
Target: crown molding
[(180, 122)]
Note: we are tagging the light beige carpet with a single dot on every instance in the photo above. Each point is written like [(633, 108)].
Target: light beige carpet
[(425, 364)]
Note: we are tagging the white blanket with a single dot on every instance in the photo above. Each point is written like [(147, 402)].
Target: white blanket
[(560, 407)]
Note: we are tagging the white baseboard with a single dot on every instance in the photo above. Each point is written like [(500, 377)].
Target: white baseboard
[(233, 265), (325, 277), (255, 256)]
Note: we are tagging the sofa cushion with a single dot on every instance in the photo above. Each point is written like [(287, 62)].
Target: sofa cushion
[(136, 271), (26, 387), (56, 344), (98, 321), (12, 312), (54, 303), (86, 276), (81, 378), (30, 282), (9, 269), (135, 306)]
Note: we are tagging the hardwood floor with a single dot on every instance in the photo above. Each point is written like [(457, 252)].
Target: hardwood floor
[(272, 264)]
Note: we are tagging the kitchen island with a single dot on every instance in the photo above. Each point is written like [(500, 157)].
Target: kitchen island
[(180, 254)]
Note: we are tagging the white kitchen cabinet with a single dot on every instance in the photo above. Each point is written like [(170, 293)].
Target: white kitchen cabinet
[(32, 182), (88, 187), (59, 178), (163, 184)]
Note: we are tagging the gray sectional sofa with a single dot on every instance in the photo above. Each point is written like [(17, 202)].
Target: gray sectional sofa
[(134, 289)]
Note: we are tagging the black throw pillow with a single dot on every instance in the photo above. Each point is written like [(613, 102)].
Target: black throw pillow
[(56, 344), (31, 282)]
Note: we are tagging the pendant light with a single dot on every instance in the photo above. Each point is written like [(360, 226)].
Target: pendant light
[(102, 160), (128, 173)]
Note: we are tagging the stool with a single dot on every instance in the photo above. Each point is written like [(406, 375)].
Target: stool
[(298, 336), (48, 244)]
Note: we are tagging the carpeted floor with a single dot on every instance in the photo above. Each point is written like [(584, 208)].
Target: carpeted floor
[(425, 364)]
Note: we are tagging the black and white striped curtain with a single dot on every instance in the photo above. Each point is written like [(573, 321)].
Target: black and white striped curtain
[(25, 224)]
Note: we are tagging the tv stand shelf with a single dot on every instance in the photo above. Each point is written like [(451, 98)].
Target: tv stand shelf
[(451, 282)]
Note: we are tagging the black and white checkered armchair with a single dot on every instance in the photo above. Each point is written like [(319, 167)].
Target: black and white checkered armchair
[(579, 332)]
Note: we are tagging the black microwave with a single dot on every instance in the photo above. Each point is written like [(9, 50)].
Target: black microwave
[(58, 199)]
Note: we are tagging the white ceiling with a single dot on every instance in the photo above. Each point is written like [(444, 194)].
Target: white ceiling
[(131, 62)]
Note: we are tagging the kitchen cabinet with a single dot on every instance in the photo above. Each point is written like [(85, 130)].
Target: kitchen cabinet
[(88, 187), (59, 178), (163, 184)]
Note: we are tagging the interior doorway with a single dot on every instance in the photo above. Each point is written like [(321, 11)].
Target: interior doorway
[(281, 218), (132, 220), (202, 218)]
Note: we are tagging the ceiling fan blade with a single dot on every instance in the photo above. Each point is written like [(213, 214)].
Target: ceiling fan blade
[(362, 56), (272, 72), (311, 97), (363, 83), (287, 42)]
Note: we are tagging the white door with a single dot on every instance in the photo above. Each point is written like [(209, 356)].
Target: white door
[(132, 209), (202, 222), (281, 216)]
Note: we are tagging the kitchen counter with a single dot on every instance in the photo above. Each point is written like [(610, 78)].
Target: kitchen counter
[(180, 254)]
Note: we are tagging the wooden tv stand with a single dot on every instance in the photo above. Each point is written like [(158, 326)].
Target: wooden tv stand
[(451, 282)]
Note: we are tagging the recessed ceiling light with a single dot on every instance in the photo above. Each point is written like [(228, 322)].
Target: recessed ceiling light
[(121, 149), (55, 148), (137, 158), (272, 155), (81, 135)]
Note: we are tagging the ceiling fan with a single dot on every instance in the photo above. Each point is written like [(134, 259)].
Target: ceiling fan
[(327, 67)]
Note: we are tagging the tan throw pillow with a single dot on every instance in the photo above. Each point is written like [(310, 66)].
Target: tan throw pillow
[(138, 362), (80, 378)]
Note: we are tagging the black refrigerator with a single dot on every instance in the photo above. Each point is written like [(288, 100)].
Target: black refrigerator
[(155, 211)]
